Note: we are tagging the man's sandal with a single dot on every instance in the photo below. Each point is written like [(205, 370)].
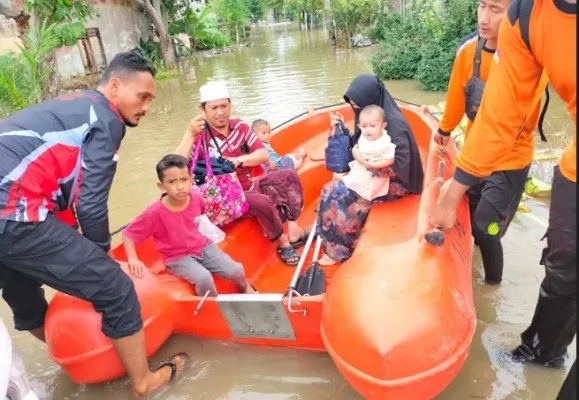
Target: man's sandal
[(172, 365), (287, 254)]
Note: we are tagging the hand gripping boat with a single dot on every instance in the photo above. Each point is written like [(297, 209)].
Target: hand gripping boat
[(397, 318)]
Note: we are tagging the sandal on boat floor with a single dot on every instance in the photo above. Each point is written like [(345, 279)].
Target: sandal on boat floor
[(173, 366), (287, 253), (301, 241)]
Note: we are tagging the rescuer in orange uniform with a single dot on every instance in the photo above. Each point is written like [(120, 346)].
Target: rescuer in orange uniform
[(537, 36), (494, 200)]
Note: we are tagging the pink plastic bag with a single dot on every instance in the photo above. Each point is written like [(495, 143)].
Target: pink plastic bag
[(223, 195)]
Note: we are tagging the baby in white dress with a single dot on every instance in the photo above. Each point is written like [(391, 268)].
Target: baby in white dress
[(374, 152)]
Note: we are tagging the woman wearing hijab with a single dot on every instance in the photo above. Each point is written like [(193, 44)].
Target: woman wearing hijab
[(342, 212)]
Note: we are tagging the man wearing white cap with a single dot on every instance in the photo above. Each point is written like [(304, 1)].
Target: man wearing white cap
[(273, 200)]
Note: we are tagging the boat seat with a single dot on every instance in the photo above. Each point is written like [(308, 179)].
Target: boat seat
[(158, 268), (224, 286)]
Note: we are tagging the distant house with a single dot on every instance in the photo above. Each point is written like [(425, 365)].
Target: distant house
[(116, 27)]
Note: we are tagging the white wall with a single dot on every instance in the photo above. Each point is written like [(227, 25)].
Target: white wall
[(120, 27)]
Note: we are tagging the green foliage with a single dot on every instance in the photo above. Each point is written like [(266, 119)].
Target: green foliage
[(22, 76), (152, 51), (235, 15), (69, 17), (353, 16), (401, 39), (256, 9), (436, 59), (422, 44), (203, 29), (397, 62)]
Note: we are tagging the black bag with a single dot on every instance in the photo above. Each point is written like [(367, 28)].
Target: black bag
[(219, 165), (339, 150), (475, 86)]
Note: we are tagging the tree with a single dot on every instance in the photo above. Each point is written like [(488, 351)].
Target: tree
[(154, 10), (256, 9), (61, 20), (67, 16), (23, 75), (234, 13), (276, 6), (352, 16), (305, 9)]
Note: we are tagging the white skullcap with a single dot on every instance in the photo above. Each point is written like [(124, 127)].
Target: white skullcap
[(213, 90)]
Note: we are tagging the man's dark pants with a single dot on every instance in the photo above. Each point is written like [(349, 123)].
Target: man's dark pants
[(56, 255), (493, 204), (554, 324)]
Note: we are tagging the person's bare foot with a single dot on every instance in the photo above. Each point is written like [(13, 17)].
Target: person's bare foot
[(326, 260), (295, 232), (161, 377)]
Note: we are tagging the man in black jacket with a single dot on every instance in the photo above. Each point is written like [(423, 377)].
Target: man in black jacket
[(59, 156)]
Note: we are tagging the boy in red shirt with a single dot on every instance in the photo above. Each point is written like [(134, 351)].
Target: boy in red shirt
[(173, 222)]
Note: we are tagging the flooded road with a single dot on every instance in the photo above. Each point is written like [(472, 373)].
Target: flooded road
[(284, 74)]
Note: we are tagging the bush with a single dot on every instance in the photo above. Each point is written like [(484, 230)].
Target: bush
[(435, 65), (353, 16), (202, 29), (398, 60), (23, 75), (422, 44)]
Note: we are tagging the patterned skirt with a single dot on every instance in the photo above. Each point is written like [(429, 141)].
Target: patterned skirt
[(342, 214)]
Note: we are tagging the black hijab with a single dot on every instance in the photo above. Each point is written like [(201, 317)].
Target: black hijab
[(368, 89)]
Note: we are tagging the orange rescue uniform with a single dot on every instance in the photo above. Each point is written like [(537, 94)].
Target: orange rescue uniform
[(502, 139), (456, 102)]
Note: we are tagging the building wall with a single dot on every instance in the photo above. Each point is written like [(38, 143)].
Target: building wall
[(11, 8), (9, 40), (120, 26)]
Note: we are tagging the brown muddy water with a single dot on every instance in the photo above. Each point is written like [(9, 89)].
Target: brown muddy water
[(284, 74)]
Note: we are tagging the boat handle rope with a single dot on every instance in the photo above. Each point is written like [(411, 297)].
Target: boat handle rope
[(332, 106), (115, 232), (436, 237), (292, 287)]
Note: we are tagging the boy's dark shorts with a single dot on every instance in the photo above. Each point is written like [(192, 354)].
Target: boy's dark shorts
[(54, 254)]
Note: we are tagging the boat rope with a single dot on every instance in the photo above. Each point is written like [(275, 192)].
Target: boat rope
[(335, 105), (113, 233), (436, 237), (117, 231)]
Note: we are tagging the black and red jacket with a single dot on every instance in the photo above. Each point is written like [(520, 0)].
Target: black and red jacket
[(59, 154)]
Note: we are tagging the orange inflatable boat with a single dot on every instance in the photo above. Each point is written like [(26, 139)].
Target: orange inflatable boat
[(397, 318)]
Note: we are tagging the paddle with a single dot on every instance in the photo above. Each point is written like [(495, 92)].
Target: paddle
[(436, 237), (313, 281)]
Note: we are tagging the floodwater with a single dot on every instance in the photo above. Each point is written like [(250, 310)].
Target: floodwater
[(284, 74)]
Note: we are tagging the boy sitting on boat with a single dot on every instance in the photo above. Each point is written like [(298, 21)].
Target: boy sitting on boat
[(368, 176), (173, 222), (262, 129)]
